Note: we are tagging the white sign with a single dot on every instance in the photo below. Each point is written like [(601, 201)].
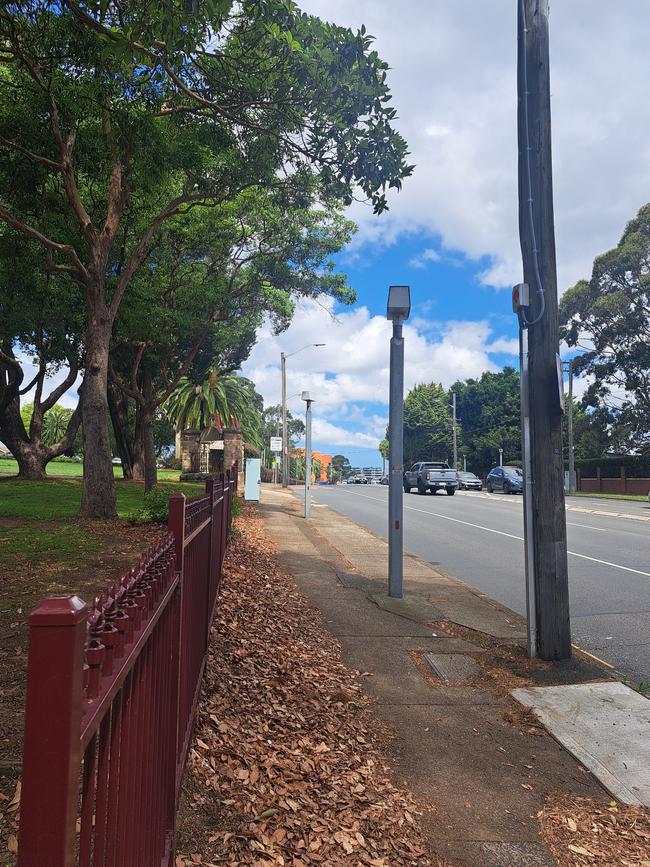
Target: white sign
[(276, 444)]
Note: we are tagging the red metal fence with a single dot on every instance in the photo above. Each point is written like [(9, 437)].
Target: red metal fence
[(111, 699)]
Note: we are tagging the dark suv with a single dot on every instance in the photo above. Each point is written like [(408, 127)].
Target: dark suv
[(510, 480)]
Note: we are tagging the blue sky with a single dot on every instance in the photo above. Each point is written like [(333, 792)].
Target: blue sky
[(452, 232)]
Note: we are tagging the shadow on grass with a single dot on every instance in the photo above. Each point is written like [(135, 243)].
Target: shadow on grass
[(61, 498)]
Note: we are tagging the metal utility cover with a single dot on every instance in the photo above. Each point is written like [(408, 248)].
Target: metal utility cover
[(452, 666), (606, 726)]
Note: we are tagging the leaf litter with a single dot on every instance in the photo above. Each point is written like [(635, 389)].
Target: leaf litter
[(286, 766), (585, 831)]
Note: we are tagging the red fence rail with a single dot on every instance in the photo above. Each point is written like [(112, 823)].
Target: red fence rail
[(111, 698)]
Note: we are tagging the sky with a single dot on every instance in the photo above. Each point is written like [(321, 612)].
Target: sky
[(451, 233)]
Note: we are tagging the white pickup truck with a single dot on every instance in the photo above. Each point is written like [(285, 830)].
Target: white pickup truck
[(431, 476)]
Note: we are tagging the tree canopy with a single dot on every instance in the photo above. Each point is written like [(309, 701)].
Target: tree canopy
[(118, 119), (608, 317)]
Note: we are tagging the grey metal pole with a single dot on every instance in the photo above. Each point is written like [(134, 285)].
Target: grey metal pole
[(464, 463), (453, 425), (285, 438), (500, 457), (395, 463), (572, 469), (308, 461)]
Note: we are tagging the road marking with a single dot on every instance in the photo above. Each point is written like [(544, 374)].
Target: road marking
[(593, 656), (512, 536)]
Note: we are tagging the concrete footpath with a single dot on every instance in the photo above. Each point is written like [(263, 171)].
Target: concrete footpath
[(440, 665)]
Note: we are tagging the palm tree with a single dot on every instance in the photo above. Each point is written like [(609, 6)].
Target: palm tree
[(226, 398)]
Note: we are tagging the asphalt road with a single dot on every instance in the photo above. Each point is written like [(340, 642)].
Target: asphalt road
[(479, 538)]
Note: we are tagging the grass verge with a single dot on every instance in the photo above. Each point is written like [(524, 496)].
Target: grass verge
[(56, 469)]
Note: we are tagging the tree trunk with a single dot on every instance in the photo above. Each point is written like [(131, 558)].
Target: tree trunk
[(31, 462), (98, 498), (31, 457), (138, 444), (119, 409), (150, 469), (177, 444)]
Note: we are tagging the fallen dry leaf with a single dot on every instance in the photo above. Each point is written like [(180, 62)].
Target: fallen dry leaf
[(285, 752)]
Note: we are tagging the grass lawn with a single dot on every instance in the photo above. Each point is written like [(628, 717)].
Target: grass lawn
[(9, 467), (60, 498), (637, 498), (46, 549)]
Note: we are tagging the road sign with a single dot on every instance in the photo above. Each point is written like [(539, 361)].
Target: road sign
[(276, 444)]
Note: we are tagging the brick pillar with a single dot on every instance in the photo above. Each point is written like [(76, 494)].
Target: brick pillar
[(233, 452)]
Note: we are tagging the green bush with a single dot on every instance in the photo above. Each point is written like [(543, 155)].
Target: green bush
[(154, 510), (236, 507)]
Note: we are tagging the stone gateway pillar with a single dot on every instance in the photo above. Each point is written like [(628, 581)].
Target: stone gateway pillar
[(233, 450)]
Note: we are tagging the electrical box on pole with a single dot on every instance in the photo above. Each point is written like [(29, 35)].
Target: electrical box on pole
[(546, 518)]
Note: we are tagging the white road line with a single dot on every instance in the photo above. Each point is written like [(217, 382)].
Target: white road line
[(511, 536)]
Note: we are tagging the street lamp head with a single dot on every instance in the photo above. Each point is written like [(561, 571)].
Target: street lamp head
[(320, 344), (399, 302), (305, 396)]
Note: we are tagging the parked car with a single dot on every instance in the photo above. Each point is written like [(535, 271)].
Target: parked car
[(469, 482), (431, 476), (510, 480), (383, 480)]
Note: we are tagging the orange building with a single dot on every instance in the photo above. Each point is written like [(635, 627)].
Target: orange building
[(325, 462)]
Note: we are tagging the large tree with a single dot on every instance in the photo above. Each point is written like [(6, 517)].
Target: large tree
[(39, 337), (608, 317), (427, 424), (123, 116), (489, 412), (212, 278)]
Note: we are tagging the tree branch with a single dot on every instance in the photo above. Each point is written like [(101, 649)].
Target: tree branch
[(33, 233)]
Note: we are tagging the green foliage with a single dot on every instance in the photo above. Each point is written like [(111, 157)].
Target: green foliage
[(55, 422), (608, 316), (155, 508), (236, 506), (226, 398), (427, 424), (489, 413), (341, 467)]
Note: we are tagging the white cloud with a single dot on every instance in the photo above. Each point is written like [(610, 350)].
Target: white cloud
[(348, 377), (453, 77), (69, 399), (423, 258)]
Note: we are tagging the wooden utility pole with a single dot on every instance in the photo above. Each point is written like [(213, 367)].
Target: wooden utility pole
[(537, 236)]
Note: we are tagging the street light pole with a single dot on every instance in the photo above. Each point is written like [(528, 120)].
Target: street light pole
[(308, 400), (285, 438), (285, 433), (399, 307), (500, 457), (572, 469)]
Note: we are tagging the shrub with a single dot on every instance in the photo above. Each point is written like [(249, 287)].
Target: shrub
[(236, 506), (155, 508)]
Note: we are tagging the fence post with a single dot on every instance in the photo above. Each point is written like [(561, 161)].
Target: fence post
[(176, 525), (212, 566), (52, 751)]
